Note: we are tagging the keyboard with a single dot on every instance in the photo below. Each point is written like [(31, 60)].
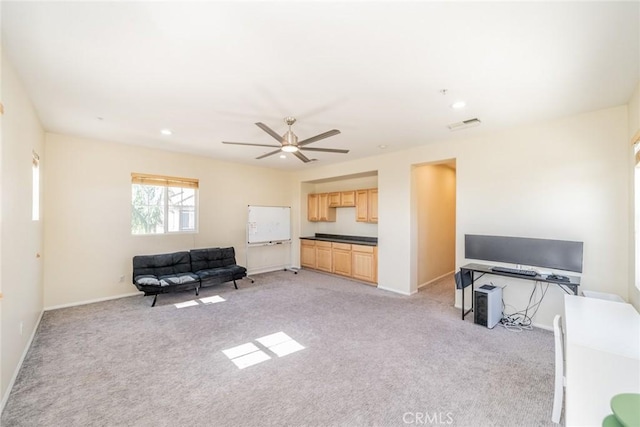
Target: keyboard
[(529, 273)]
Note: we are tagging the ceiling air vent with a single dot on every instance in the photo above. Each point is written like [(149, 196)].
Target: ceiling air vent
[(465, 124)]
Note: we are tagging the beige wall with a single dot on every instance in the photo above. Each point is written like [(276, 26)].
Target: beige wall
[(436, 217), (634, 128), (22, 238), (563, 179), (88, 241)]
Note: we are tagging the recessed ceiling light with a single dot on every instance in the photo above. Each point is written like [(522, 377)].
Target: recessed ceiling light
[(458, 105), (166, 131), (382, 146), (282, 156)]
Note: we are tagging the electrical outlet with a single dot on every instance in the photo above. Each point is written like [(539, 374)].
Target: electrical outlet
[(121, 278)]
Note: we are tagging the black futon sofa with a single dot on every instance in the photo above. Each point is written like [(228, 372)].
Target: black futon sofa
[(186, 270)]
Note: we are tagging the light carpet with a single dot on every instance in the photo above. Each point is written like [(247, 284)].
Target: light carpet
[(370, 358)]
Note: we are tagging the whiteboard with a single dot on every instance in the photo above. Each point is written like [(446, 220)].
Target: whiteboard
[(267, 224)]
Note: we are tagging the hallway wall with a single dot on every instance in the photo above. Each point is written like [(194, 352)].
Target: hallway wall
[(436, 213)]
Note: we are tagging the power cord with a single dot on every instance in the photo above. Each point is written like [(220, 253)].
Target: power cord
[(521, 320)]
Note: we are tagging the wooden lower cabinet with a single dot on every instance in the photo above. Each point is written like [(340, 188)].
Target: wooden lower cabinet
[(356, 261), (364, 263), (308, 253), (323, 256), (341, 257)]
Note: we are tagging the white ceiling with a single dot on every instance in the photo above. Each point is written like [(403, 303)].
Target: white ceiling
[(122, 71)]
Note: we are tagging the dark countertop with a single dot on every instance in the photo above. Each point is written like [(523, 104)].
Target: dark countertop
[(339, 238)]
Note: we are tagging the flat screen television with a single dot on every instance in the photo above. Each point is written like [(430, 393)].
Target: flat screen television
[(554, 254)]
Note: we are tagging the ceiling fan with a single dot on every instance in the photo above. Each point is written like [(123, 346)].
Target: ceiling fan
[(289, 142)]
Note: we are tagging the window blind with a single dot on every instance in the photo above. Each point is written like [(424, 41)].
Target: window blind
[(163, 181)]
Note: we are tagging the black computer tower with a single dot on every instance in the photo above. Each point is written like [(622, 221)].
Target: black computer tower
[(487, 305)]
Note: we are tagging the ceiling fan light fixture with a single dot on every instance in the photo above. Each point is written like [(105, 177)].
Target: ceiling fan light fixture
[(289, 142)]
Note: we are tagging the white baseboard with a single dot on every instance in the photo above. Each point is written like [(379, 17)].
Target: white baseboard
[(5, 398), (436, 279), (395, 291), (91, 301), (541, 326), (267, 269)]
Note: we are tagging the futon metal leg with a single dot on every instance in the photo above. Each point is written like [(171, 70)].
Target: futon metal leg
[(155, 297), (235, 284), (197, 290)]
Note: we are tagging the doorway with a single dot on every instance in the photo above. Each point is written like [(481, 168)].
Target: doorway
[(435, 185)]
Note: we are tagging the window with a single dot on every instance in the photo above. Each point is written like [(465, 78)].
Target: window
[(163, 204), (35, 187), (636, 173)]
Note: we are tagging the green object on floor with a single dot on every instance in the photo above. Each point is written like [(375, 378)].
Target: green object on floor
[(626, 408), (611, 421)]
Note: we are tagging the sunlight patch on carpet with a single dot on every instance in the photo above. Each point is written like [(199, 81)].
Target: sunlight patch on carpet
[(287, 347), (273, 339), (250, 359), (212, 300), (186, 304), (280, 343), (246, 355), (249, 354), (240, 350)]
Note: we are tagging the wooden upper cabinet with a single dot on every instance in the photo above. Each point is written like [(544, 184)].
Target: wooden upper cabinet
[(312, 207), (334, 200), (348, 198), (362, 205), (367, 205), (373, 205), (325, 212), (342, 199), (322, 206)]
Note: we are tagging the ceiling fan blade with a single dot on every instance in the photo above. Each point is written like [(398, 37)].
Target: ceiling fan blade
[(301, 156), (253, 145), (324, 135), (270, 131), (326, 150), (268, 154)]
